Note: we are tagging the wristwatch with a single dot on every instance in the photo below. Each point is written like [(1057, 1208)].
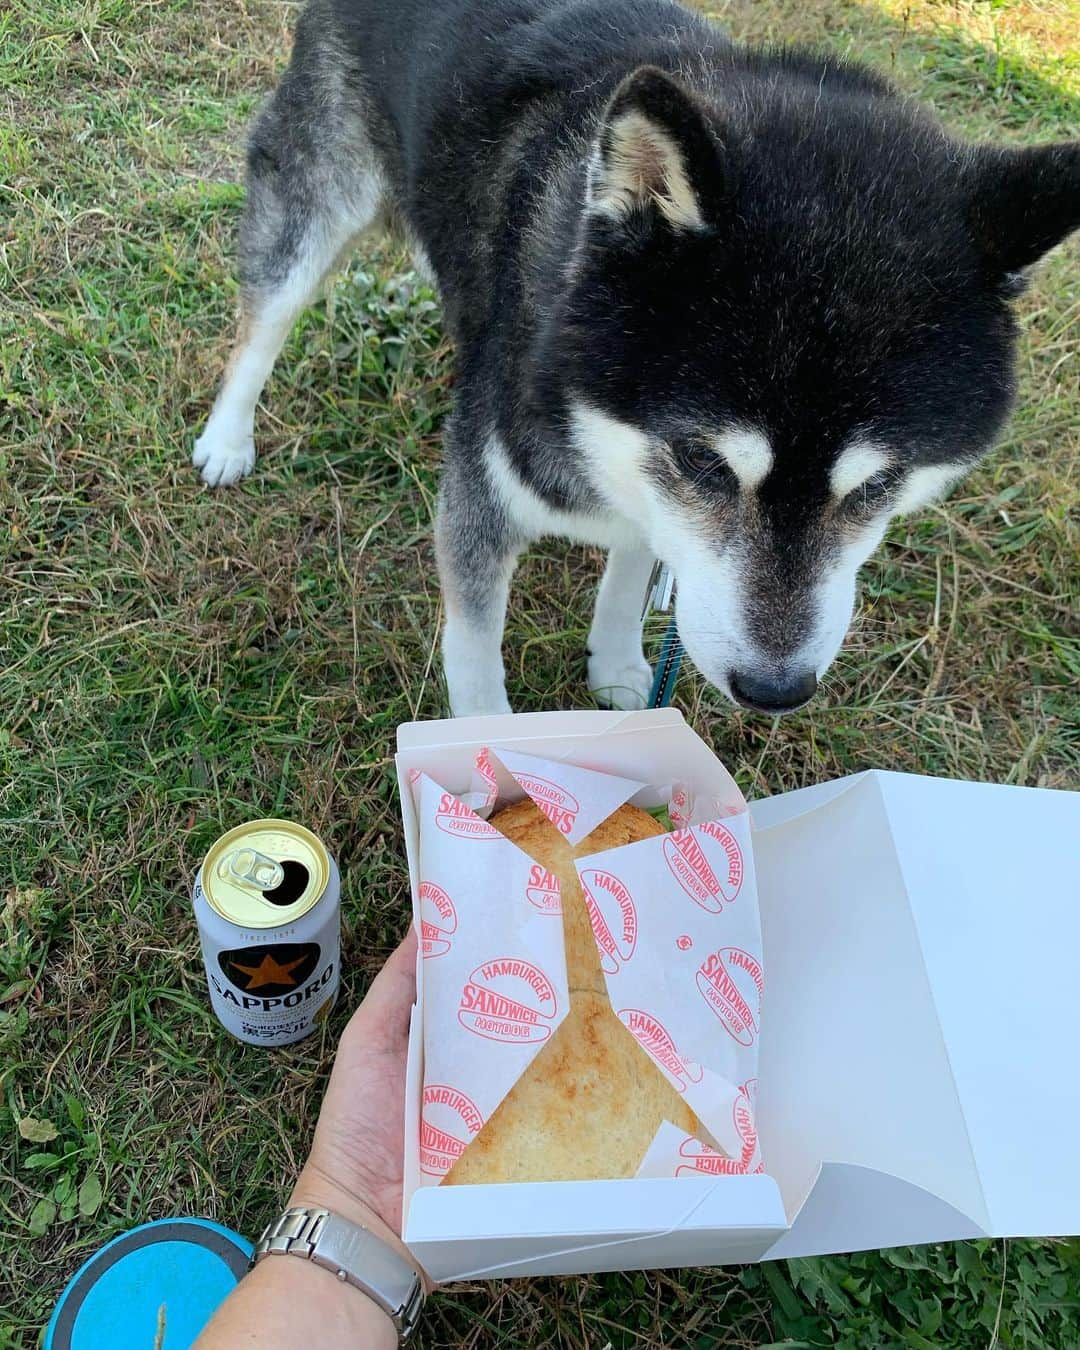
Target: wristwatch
[(352, 1253)]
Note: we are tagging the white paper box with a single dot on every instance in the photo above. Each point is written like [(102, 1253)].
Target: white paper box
[(564, 1227), (918, 1076)]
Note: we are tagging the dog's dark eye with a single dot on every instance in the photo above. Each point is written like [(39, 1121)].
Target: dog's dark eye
[(700, 461), (869, 497)]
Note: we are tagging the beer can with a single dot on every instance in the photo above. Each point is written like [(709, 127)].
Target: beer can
[(268, 904)]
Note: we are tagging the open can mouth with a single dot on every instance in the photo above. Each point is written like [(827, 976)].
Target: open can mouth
[(265, 873)]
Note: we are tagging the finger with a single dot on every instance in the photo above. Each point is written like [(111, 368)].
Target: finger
[(383, 1016)]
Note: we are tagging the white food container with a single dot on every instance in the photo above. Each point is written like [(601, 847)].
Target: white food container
[(918, 1074)]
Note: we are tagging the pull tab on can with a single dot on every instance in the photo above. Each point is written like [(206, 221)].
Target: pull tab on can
[(249, 867), (265, 873)]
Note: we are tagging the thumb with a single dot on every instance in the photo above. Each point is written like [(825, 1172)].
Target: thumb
[(382, 1019)]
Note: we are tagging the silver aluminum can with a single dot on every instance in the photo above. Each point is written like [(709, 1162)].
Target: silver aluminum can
[(268, 904)]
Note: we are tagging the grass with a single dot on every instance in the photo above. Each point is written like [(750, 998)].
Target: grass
[(175, 661)]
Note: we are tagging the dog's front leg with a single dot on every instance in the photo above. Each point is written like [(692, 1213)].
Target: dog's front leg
[(619, 675), (476, 554)]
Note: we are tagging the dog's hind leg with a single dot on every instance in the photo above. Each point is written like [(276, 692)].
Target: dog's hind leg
[(476, 551), (619, 675), (313, 185)]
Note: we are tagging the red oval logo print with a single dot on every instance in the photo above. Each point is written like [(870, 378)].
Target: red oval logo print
[(689, 866), (694, 872), (438, 919), (508, 1000), (453, 817), (543, 890), (612, 915), (704, 1161), (486, 770), (731, 983), (560, 806), (743, 1115), (653, 1036), (733, 880), (446, 1115)]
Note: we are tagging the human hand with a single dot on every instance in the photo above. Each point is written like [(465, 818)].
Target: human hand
[(355, 1165)]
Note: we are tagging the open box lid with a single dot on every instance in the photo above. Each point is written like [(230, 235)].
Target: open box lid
[(919, 1078)]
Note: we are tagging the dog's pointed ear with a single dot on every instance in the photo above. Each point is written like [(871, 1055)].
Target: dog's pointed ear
[(655, 155), (1023, 202)]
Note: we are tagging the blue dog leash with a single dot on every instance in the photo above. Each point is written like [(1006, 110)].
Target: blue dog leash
[(667, 668), (658, 595)]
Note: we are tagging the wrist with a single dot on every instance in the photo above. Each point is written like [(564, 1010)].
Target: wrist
[(283, 1302), (317, 1190), (333, 1310)]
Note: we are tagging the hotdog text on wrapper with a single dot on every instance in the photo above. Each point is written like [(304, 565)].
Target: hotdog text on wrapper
[(636, 1043)]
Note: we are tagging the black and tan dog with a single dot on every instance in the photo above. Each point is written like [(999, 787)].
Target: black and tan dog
[(727, 307)]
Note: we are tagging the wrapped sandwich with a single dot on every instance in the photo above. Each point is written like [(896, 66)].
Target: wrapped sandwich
[(566, 1009), (591, 1102)]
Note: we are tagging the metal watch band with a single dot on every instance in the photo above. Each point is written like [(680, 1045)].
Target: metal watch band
[(352, 1253)]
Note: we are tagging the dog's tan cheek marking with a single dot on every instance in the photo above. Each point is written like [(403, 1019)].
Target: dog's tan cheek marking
[(712, 520)]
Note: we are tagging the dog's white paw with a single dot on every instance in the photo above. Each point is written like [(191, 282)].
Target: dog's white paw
[(222, 459), (483, 706), (623, 685), (478, 697)]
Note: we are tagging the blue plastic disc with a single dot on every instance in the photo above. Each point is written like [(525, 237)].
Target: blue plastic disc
[(155, 1286)]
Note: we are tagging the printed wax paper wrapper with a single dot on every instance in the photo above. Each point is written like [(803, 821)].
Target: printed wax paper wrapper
[(676, 922), (674, 918), (494, 973), (575, 800), (674, 1153)]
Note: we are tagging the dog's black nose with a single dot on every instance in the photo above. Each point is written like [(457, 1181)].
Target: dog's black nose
[(772, 696)]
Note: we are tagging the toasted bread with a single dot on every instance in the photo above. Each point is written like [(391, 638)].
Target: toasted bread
[(586, 1108)]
